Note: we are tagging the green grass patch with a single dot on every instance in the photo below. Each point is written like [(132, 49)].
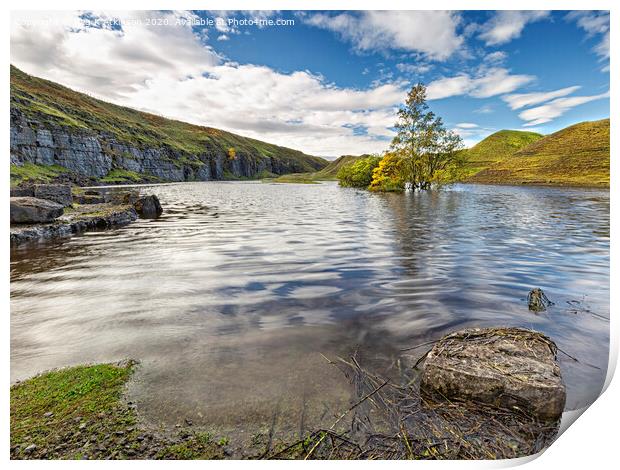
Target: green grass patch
[(118, 175), (79, 412), (46, 408), (33, 173)]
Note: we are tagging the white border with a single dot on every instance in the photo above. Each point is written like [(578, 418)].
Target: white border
[(591, 442)]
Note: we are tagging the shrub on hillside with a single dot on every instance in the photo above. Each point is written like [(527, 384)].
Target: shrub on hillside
[(359, 173)]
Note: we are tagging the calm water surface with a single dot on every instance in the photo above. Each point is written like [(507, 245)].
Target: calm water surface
[(230, 298)]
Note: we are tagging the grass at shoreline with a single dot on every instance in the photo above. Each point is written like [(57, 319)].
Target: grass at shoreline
[(80, 413)]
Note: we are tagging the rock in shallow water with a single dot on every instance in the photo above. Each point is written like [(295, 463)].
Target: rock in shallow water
[(504, 367), (148, 207), (31, 210), (537, 301)]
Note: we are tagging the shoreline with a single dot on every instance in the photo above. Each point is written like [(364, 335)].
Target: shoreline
[(86, 411), (94, 217), (319, 181), (50, 211)]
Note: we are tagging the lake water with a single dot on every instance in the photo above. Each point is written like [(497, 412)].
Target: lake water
[(233, 296)]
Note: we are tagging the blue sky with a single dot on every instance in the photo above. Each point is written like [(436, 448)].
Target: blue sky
[(329, 83)]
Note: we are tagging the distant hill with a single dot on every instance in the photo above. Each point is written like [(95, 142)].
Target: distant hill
[(496, 147), (576, 155), (331, 170), (58, 130), (327, 173)]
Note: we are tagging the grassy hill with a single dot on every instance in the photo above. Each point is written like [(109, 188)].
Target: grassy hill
[(495, 148), (326, 174), (50, 103), (331, 170), (577, 155)]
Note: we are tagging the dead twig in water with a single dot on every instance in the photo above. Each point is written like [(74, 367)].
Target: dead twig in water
[(344, 414), (577, 360)]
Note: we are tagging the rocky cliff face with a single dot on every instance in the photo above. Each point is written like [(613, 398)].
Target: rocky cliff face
[(93, 155)]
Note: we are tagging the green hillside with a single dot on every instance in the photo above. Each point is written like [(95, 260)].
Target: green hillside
[(331, 170), (495, 148), (326, 174), (576, 155), (51, 103)]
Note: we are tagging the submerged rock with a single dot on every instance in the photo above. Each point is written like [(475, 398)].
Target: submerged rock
[(148, 207), (59, 193), (30, 210), (537, 301), (503, 367)]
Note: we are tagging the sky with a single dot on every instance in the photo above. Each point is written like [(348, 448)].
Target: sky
[(329, 83)]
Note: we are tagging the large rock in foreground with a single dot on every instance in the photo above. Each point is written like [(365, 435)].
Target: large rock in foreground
[(31, 210), (504, 367)]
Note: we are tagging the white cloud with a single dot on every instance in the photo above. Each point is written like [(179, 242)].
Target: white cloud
[(594, 23), (106, 62), (467, 125), (487, 83), (496, 58), (602, 48), (223, 37), (298, 110), (521, 100), (169, 71), (415, 68), (432, 33), (505, 26), (221, 24), (556, 108)]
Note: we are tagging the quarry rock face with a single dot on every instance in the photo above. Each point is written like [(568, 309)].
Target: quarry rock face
[(31, 210), (94, 154), (504, 367)]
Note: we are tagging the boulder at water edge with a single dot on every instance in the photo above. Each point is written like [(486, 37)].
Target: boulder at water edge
[(148, 207), (503, 367), (31, 210)]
